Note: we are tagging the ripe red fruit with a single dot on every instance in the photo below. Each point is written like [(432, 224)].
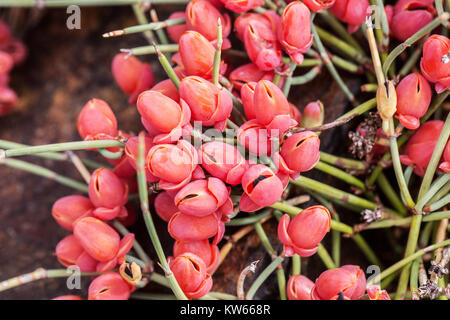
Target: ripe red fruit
[(109, 286), (247, 73), (132, 75), (303, 233), (261, 186), (299, 288), (165, 205), (97, 238), (223, 161), (194, 64), (186, 227), (108, 194), (261, 44), (68, 209), (420, 146), (299, 153), (313, 115), (248, 99), (202, 16), (413, 100), (317, 5), (435, 62), (68, 250), (190, 272), (348, 281), (352, 12), (167, 88), (410, 16), (208, 252), (96, 118), (164, 118), (174, 165), (295, 34), (176, 31), (202, 197), (375, 293), (272, 108), (209, 105), (242, 5), (254, 137)]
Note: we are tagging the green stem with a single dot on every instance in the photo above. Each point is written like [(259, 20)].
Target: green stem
[(440, 182), (296, 265), (263, 276), (288, 80), (136, 245), (248, 220), (413, 39), (217, 59), (39, 274), (439, 204), (329, 64), (360, 109), (435, 216), (138, 51), (142, 19), (65, 146), (4, 144), (145, 27), (143, 196), (264, 239), (44, 172), (325, 257), (167, 66), (344, 163), (414, 278), (391, 194), (411, 62), (336, 25), (341, 45), (307, 77), (340, 174), (384, 27), (336, 244), (405, 261), (83, 3), (398, 168)]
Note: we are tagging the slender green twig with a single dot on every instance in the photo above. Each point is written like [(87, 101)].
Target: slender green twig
[(83, 3), (325, 257), (66, 146), (413, 39), (217, 59), (391, 194), (296, 264), (336, 25), (248, 220), (142, 20), (138, 51), (143, 196), (405, 261), (307, 77), (345, 163), (4, 144), (167, 66), (288, 80), (340, 174), (44, 172), (39, 274), (263, 276), (144, 27), (325, 58)]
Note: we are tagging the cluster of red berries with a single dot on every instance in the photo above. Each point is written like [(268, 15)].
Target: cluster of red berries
[(12, 53), (200, 183)]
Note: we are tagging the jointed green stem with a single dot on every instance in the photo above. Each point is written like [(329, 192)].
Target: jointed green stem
[(340, 174), (391, 194), (248, 220), (138, 51), (325, 257), (413, 39), (296, 264), (263, 276), (342, 162), (405, 261), (76, 145), (4, 144), (307, 77), (44, 172), (435, 216), (217, 59), (143, 196), (145, 27), (167, 66)]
